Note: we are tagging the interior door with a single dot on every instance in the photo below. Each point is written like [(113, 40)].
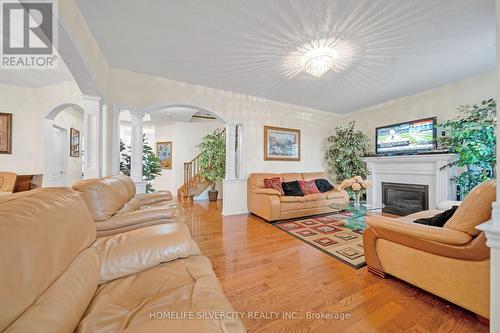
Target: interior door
[(57, 157)]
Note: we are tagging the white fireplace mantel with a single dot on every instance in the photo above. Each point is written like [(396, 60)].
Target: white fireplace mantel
[(412, 169)]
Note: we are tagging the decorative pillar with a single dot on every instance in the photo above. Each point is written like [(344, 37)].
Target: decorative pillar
[(91, 136), (230, 152), (136, 151), (492, 228)]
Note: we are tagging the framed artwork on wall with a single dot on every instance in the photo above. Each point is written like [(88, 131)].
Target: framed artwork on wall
[(281, 144), (164, 153), (5, 133), (74, 142)]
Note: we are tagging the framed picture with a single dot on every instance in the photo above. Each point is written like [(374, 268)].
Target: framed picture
[(281, 144), (164, 153), (5, 133), (74, 143)]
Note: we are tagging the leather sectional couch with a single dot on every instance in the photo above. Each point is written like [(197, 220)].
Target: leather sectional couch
[(116, 207), (452, 262), (56, 277), (270, 205)]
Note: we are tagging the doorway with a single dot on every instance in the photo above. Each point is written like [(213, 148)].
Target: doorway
[(59, 172)]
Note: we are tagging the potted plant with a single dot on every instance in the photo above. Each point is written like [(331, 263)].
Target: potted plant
[(345, 152), (471, 135), (212, 160)]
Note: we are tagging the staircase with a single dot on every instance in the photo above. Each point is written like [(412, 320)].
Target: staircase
[(194, 184)]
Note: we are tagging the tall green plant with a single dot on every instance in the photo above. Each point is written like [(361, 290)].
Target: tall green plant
[(345, 152), (471, 135), (151, 167), (212, 160)]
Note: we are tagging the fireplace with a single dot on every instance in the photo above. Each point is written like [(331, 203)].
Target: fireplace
[(403, 199)]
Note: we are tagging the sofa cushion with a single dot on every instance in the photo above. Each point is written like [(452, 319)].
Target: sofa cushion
[(308, 187), (136, 217), (184, 285), (292, 188), (274, 183), (289, 206), (42, 235), (292, 199), (335, 194), (313, 175), (288, 177), (323, 185), (315, 196)]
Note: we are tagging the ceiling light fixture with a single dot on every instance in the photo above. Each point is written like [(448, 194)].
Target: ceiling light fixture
[(319, 58)]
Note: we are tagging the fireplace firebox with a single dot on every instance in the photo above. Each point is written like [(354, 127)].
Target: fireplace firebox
[(404, 199)]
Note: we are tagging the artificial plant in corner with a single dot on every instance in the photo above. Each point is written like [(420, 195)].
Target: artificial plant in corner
[(345, 151), (471, 135), (151, 167), (212, 159)]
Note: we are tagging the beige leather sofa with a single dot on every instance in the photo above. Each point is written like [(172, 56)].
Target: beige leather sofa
[(7, 182), (56, 277), (115, 206), (452, 262), (271, 206)]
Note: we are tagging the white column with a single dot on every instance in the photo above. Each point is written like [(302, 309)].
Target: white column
[(230, 152), (136, 151), (91, 136), (492, 228), (115, 140)]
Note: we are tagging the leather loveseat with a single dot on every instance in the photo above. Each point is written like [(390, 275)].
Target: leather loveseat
[(115, 206), (7, 182), (56, 277), (272, 206), (452, 262)]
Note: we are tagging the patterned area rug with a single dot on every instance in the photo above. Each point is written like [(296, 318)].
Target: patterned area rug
[(328, 234)]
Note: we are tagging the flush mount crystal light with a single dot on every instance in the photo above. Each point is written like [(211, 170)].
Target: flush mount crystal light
[(319, 57)]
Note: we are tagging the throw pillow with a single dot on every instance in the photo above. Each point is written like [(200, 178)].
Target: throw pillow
[(439, 220), (274, 183), (323, 185), (308, 186), (292, 189)]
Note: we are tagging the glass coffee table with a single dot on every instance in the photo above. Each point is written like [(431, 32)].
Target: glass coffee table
[(355, 215)]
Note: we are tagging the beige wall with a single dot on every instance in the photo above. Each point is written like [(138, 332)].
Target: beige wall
[(141, 92), (441, 102), (71, 118), (29, 107)]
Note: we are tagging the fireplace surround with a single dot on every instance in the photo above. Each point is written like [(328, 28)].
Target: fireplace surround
[(404, 199)]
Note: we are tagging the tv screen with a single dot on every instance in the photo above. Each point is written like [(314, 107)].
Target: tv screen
[(405, 138)]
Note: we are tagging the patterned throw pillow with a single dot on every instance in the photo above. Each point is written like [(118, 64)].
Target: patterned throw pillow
[(274, 183), (308, 186)]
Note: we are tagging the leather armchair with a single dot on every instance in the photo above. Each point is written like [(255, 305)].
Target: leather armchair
[(57, 277), (270, 205), (452, 262), (115, 206), (7, 182)]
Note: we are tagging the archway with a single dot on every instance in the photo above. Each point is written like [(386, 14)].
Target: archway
[(63, 135)]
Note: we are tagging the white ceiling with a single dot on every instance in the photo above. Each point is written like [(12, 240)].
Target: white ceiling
[(402, 46)]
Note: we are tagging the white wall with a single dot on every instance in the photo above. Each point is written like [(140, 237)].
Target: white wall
[(184, 136), (67, 119), (29, 107), (441, 102), (140, 92)]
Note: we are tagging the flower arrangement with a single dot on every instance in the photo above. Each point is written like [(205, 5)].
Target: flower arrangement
[(356, 185)]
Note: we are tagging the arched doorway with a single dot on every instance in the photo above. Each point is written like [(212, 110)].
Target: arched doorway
[(64, 151)]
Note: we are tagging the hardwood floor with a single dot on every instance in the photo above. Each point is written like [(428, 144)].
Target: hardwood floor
[(263, 269)]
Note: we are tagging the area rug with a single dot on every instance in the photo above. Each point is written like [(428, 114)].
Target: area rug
[(328, 234)]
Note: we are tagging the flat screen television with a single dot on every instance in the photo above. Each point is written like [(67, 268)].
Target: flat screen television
[(409, 137)]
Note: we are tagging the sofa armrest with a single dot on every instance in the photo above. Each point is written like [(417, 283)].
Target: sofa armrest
[(268, 191), (146, 199), (137, 217), (137, 250), (419, 231)]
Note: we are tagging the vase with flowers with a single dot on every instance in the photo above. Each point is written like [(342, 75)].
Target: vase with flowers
[(355, 185)]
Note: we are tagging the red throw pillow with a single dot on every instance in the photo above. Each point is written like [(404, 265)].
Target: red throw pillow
[(308, 186), (274, 183)]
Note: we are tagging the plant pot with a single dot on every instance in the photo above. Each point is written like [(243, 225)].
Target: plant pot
[(212, 195)]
